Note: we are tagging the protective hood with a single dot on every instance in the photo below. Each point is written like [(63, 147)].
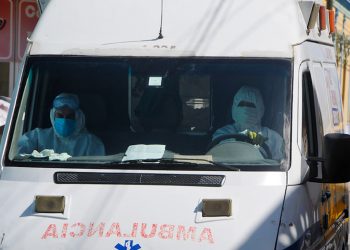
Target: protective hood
[(71, 101), (248, 109)]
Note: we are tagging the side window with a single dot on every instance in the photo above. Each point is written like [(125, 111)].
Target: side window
[(312, 124), (309, 134), (20, 123)]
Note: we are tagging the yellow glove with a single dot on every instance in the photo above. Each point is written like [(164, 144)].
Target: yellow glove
[(256, 137)]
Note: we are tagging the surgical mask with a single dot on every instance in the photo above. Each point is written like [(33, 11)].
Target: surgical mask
[(246, 117), (64, 127)]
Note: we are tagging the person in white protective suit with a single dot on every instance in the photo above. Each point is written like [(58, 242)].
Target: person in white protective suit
[(67, 134), (247, 111)]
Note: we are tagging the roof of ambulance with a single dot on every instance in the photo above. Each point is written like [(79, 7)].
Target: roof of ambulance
[(208, 28)]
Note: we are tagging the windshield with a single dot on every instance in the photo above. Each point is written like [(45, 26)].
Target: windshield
[(194, 113)]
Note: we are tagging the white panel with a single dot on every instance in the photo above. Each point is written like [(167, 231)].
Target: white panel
[(200, 27), (301, 216)]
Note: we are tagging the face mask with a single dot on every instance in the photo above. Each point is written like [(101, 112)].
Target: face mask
[(246, 117), (64, 127)]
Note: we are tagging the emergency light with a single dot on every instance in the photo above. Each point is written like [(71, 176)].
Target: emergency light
[(216, 207), (313, 16), (49, 204), (313, 12), (331, 18), (322, 18)]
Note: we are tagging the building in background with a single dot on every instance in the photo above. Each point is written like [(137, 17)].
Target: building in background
[(342, 45), (17, 20)]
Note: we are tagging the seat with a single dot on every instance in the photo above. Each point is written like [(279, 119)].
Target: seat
[(94, 108)]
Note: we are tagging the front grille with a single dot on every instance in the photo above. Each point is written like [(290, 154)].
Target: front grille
[(139, 179)]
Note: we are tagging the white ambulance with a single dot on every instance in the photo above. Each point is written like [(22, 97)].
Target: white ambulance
[(160, 85)]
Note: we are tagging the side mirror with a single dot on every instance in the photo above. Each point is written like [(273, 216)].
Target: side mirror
[(336, 167)]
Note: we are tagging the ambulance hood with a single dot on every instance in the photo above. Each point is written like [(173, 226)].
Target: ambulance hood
[(141, 216)]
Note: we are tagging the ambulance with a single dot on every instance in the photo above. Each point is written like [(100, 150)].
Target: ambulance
[(156, 81)]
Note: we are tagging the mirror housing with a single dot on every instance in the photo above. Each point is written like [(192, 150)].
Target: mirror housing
[(336, 167)]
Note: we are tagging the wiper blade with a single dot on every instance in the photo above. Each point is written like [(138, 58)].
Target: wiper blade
[(178, 161), (152, 161), (30, 159), (216, 164)]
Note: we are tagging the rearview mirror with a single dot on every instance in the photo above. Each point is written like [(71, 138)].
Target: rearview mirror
[(336, 167)]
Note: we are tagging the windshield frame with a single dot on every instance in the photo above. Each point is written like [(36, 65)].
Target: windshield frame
[(283, 166)]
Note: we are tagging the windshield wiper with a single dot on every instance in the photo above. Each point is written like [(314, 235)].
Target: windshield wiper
[(149, 161), (216, 164), (176, 162)]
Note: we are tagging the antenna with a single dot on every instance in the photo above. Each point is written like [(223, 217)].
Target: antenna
[(160, 36)]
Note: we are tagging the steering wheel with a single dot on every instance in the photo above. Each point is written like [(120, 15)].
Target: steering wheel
[(243, 138)]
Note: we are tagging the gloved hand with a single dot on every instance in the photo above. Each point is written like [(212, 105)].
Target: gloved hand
[(257, 138)]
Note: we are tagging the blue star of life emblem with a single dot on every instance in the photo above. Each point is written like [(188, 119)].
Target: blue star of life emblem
[(128, 245)]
